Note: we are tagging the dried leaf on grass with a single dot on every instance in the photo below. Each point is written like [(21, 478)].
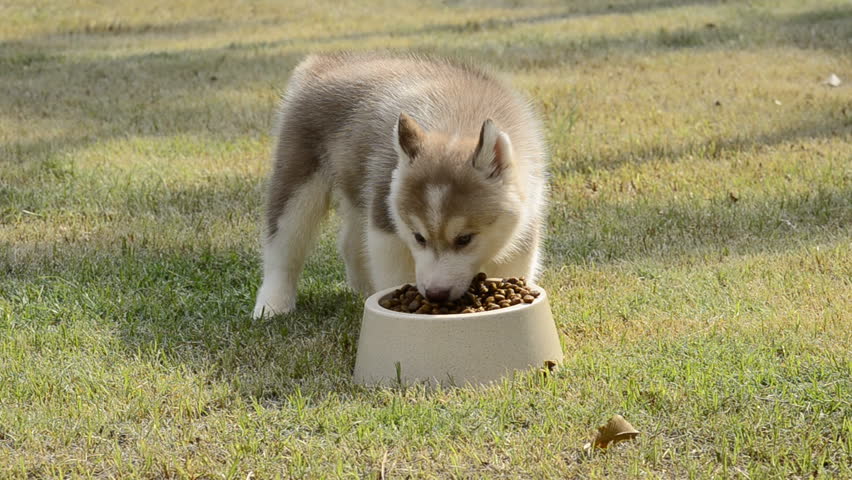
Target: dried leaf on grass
[(617, 429)]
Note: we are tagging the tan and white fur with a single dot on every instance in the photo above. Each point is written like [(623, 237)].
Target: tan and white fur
[(438, 168)]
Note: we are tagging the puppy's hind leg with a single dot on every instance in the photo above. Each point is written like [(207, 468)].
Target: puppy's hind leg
[(293, 225)]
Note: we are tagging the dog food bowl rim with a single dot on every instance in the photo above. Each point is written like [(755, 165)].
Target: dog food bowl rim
[(372, 303)]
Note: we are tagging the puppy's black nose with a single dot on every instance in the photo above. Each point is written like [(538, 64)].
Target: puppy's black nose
[(438, 294)]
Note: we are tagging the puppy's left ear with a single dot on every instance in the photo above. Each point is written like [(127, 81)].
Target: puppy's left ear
[(493, 154)]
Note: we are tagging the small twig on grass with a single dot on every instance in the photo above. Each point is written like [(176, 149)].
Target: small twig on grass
[(384, 461)]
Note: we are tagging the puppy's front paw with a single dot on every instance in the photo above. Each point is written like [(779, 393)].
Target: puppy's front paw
[(273, 306), (273, 303)]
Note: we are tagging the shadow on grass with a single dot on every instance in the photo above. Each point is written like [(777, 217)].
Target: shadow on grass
[(830, 124), (827, 28), (578, 10), (603, 233), (161, 94)]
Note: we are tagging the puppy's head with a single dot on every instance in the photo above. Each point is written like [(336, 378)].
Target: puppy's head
[(455, 203)]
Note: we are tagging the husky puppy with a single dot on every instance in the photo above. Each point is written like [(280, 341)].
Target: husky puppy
[(439, 170)]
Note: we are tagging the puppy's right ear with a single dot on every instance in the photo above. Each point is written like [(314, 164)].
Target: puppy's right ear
[(409, 138)]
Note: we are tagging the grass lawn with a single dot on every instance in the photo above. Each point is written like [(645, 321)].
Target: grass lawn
[(699, 252)]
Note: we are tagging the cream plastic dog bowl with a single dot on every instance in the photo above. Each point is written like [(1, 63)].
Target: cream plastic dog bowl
[(461, 349)]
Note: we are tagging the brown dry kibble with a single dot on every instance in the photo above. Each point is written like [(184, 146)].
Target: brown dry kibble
[(484, 294)]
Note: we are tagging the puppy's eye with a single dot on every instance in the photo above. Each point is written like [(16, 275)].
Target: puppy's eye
[(419, 238), (463, 240)]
